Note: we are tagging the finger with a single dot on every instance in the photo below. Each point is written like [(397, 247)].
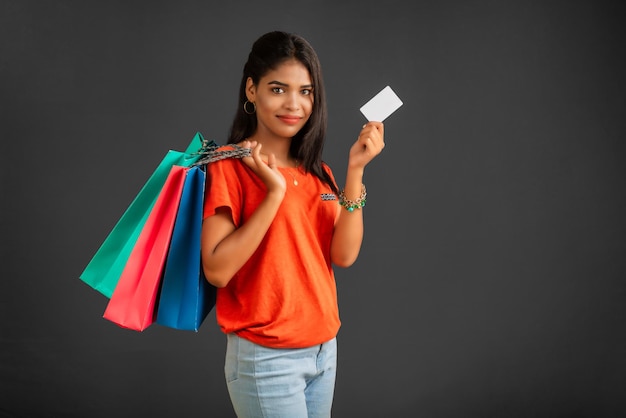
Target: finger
[(365, 128), (271, 161), (370, 134), (245, 144), (254, 160), (381, 128), (377, 125), (256, 152), (374, 145), (378, 132)]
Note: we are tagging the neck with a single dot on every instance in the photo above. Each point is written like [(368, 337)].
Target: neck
[(277, 146)]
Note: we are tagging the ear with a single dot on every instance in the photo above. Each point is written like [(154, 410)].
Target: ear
[(250, 90)]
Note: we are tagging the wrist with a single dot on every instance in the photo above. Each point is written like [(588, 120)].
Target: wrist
[(350, 204), (275, 195), (354, 179), (356, 170)]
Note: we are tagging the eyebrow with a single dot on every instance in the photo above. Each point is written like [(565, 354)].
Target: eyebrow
[(279, 83)]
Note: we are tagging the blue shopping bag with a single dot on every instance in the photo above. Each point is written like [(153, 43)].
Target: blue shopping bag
[(186, 296)]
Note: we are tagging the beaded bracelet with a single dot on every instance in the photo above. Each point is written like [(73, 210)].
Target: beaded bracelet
[(350, 205)]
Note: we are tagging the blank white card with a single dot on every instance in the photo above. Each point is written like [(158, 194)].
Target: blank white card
[(381, 106)]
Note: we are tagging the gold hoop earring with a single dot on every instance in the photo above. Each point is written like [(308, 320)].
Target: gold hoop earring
[(245, 107)]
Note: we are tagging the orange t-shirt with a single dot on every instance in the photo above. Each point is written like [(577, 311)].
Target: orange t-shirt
[(285, 295)]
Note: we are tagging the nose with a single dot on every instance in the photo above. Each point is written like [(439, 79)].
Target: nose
[(292, 101)]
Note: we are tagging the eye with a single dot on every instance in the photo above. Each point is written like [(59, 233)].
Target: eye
[(277, 90), (306, 92)]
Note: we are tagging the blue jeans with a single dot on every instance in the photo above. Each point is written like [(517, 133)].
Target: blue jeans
[(275, 382)]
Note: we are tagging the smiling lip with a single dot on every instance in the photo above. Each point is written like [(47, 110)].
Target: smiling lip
[(291, 120)]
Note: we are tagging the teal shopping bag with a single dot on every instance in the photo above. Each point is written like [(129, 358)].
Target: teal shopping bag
[(186, 296), (104, 270)]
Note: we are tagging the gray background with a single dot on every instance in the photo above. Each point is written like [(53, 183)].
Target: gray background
[(491, 281)]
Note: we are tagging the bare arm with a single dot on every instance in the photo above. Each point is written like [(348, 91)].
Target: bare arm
[(348, 234), (225, 248)]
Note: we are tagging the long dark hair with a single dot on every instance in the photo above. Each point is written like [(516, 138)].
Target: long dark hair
[(268, 52)]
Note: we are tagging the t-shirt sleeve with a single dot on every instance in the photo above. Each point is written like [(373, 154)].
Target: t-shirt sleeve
[(223, 189), (328, 170)]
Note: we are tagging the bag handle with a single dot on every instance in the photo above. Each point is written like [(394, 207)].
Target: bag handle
[(210, 153)]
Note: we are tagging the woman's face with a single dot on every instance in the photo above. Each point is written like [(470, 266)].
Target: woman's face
[(283, 99)]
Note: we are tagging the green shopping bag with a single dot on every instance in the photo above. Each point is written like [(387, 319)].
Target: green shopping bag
[(105, 268)]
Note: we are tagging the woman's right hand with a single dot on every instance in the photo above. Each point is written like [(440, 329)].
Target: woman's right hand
[(225, 247), (267, 172)]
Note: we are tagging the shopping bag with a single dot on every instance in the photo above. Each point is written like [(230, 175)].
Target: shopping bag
[(132, 304), (104, 270), (186, 297)]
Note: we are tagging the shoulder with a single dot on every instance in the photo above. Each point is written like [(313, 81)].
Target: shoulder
[(328, 170), (224, 166)]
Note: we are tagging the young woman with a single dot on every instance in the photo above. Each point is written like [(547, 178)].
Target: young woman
[(275, 223)]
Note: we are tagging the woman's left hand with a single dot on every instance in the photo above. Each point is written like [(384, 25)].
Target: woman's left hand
[(368, 145)]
